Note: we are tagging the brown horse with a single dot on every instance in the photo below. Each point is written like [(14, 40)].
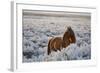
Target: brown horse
[(58, 43)]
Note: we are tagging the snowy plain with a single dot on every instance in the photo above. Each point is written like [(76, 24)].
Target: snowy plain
[(39, 27)]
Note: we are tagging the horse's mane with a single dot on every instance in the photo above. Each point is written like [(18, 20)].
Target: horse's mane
[(65, 39)]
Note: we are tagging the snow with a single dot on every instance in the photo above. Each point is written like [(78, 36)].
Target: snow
[(37, 30)]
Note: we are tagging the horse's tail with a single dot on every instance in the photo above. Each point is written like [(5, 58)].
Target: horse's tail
[(48, 50)]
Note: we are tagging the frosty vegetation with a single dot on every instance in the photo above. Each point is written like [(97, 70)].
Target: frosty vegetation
[(37, 30)]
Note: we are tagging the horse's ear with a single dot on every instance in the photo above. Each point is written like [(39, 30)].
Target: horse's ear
[(69, 28), (66, 27)]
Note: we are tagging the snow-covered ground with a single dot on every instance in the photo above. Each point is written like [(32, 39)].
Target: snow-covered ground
[(39, 28)]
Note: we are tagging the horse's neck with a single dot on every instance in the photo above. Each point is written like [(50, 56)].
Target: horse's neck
[(65, 36), (65, 40)]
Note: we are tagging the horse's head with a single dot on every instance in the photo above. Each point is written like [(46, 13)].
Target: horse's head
[(72, 37), (69, 36)]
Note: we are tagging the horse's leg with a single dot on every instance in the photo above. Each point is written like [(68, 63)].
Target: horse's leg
[(60, 46), (54, 49), (49, 48), (59, 49)]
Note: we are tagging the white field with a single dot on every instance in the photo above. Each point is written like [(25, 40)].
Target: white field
[(39, 27)]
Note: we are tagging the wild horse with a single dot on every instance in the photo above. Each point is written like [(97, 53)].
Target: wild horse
[(58, 43)]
